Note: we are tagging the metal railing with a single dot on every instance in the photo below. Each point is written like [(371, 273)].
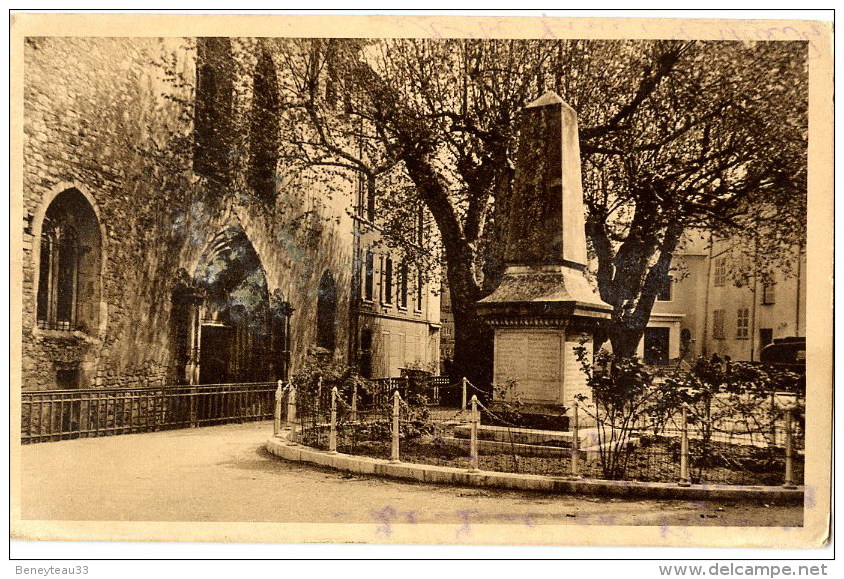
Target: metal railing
[(64, 414), (431, 387), (686, 448)]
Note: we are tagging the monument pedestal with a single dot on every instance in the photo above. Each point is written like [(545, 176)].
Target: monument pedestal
[(540, 316)]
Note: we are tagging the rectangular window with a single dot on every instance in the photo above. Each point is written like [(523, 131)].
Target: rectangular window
[(742, 323), (768, 297), (420, 226), (365, 199), (719, 274), (368, 276), (420, 287), (387, 281), (718, 324), (664, 294), (403, 285)]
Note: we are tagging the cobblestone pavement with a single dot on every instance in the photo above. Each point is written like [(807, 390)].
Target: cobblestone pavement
[(222, 473)]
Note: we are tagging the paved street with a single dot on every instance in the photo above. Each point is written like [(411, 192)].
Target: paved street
[(222, 473)]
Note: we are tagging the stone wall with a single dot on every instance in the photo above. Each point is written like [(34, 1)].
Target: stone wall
[(112, 118)]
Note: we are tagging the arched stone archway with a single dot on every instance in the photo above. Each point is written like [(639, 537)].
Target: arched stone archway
[(230, 323)]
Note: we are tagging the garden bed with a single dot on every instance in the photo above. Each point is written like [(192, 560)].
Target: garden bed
[(655, 460)]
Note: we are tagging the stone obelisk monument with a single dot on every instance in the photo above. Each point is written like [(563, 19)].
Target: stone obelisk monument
[(544, 306)]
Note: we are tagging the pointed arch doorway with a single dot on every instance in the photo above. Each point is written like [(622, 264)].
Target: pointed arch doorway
[(234, 332), (226, 327)]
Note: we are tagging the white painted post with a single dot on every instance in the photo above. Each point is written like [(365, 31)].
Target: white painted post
[(291, 406), (354, 416), (279, 395), (773, 442), (789, 450), (465, 384), (394, 451), (684, 450), (332, 433), (473, 439), (575, 442), (291, 414)]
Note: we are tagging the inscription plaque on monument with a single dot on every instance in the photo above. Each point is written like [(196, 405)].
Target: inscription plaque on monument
[(534, 361)]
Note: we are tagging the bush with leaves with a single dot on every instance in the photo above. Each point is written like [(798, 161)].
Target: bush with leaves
[(739, 400), (626, 398)]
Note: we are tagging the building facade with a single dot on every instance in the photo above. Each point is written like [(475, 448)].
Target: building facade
[(746, 315), (166, 242), (709, 308), (398, 307)]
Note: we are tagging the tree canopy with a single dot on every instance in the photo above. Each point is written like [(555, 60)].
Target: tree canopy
[(674, 135)]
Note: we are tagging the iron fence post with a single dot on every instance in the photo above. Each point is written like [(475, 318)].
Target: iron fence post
[(473, 439), (463, 402), (193, 407), (788, 481), (684, 449), (332, 433), (394, 450), (575, 441)]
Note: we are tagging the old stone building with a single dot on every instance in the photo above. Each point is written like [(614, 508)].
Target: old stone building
[(165, 241)]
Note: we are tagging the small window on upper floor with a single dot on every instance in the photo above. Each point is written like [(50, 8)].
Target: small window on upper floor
[(369, 276), (366, 198), (69, 265), (403, 284), (719, 272), (664, 294), (420, 289), (387, 281), (768, 294)]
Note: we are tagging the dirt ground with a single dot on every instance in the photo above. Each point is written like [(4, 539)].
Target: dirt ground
[(222, 473)]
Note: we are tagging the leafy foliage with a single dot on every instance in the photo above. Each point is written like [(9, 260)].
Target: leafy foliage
[(625, 397), (674, 136), (735, 401)]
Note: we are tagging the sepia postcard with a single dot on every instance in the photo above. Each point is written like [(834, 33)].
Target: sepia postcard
[(421, 279)]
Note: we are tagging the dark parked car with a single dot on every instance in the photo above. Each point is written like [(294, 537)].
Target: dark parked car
[(790, 352)]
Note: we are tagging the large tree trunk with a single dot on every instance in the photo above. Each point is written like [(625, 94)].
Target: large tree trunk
[(630, 279), (472, 338), (625, 338)]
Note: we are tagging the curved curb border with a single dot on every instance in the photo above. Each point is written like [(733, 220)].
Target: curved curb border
[(282, 448)]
